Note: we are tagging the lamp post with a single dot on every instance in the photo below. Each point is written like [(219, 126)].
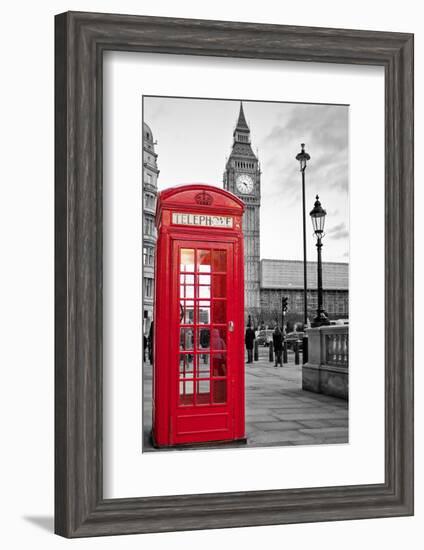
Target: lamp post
[(318, 221), (303, 157)]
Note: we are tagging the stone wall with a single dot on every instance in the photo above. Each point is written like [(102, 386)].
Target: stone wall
[(327, 370)]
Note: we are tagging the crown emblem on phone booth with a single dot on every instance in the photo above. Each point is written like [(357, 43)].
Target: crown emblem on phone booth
[(203, 198)]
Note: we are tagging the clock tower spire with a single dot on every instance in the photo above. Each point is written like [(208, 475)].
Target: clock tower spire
[(242, 176)]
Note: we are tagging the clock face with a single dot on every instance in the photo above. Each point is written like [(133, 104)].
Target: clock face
[(244, 184)]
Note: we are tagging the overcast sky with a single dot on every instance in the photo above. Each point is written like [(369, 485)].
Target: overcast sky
[(194, 139)]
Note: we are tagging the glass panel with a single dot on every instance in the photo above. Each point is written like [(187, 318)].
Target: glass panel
[(219, 338), (203, 279), (186, 393), (186, 279), (204, 261), (204, 292), (219, 314), (219, 260), (203, 368), (186, 339), (219, 364), (204, 313), (186, 291), (204, 338), (187, 259), (219, 286), (186, 365), (187, 312), (203, 392), (219, 391)]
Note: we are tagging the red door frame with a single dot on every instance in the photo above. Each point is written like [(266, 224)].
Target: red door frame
[(212, 421), (166, 411)]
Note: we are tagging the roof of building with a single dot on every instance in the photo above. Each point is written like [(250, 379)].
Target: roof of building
[(147, 132), (241, 123), (148, 143), (242, 149), (287, 274)]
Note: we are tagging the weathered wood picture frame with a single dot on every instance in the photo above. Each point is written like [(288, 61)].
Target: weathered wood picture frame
[(81, 39)]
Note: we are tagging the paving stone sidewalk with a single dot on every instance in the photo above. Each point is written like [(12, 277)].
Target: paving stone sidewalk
[(278, 411)]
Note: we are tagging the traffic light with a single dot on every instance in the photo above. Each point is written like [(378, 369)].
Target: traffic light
[(285, 304)]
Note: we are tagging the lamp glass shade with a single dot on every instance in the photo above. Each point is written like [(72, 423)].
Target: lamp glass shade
[(318, 223), (318, 217), (303, 157)]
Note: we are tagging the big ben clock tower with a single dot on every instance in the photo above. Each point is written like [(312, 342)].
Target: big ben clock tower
[(242, 177)]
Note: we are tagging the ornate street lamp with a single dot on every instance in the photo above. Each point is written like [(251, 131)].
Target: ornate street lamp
[(303, 157), (318, 221)]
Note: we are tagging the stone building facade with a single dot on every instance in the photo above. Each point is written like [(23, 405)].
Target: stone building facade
[(285, 278), (150, 177), (242, 176)]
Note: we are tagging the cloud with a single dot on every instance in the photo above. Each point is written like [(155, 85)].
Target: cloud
[(333, 212), (338, 231), (325, 124), (324, 129)]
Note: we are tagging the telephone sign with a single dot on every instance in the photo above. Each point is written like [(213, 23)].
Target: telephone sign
[(202, 220)]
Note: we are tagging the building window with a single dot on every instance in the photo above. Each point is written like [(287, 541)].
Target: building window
[(147, 178), (148, 288), (149, 227), (148, 256), (149, 201)]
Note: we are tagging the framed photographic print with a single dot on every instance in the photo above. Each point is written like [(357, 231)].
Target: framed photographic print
[(234, 274)]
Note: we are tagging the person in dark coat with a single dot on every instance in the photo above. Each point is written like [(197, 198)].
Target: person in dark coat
[(144, 347), (277, 339), (249, 340)]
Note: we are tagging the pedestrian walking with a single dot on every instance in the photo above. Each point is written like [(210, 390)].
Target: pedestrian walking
[(277, 339), (249, 340), (204, 341), (144, 347)]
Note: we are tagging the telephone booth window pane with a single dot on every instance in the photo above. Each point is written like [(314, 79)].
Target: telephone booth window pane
[(186, 339), (204, 279), (187, 286), (203, 339), (204, 291), (186, 365), (219, 313), (187, 312), (203, 367), (219, 391), (219, 339), (187, 260), (203, 391), (204, 313), (186, 393), (219, 364), (187, 291), (186, 279), (219, 286), (219, 260), (204, 261)]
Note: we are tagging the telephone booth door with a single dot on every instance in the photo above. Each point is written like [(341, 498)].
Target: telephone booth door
[(204, 352)]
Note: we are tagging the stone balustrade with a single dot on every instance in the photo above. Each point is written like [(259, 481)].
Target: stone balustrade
[(327, 370)]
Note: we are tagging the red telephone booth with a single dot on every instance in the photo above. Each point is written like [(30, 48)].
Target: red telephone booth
[(198, 382)]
